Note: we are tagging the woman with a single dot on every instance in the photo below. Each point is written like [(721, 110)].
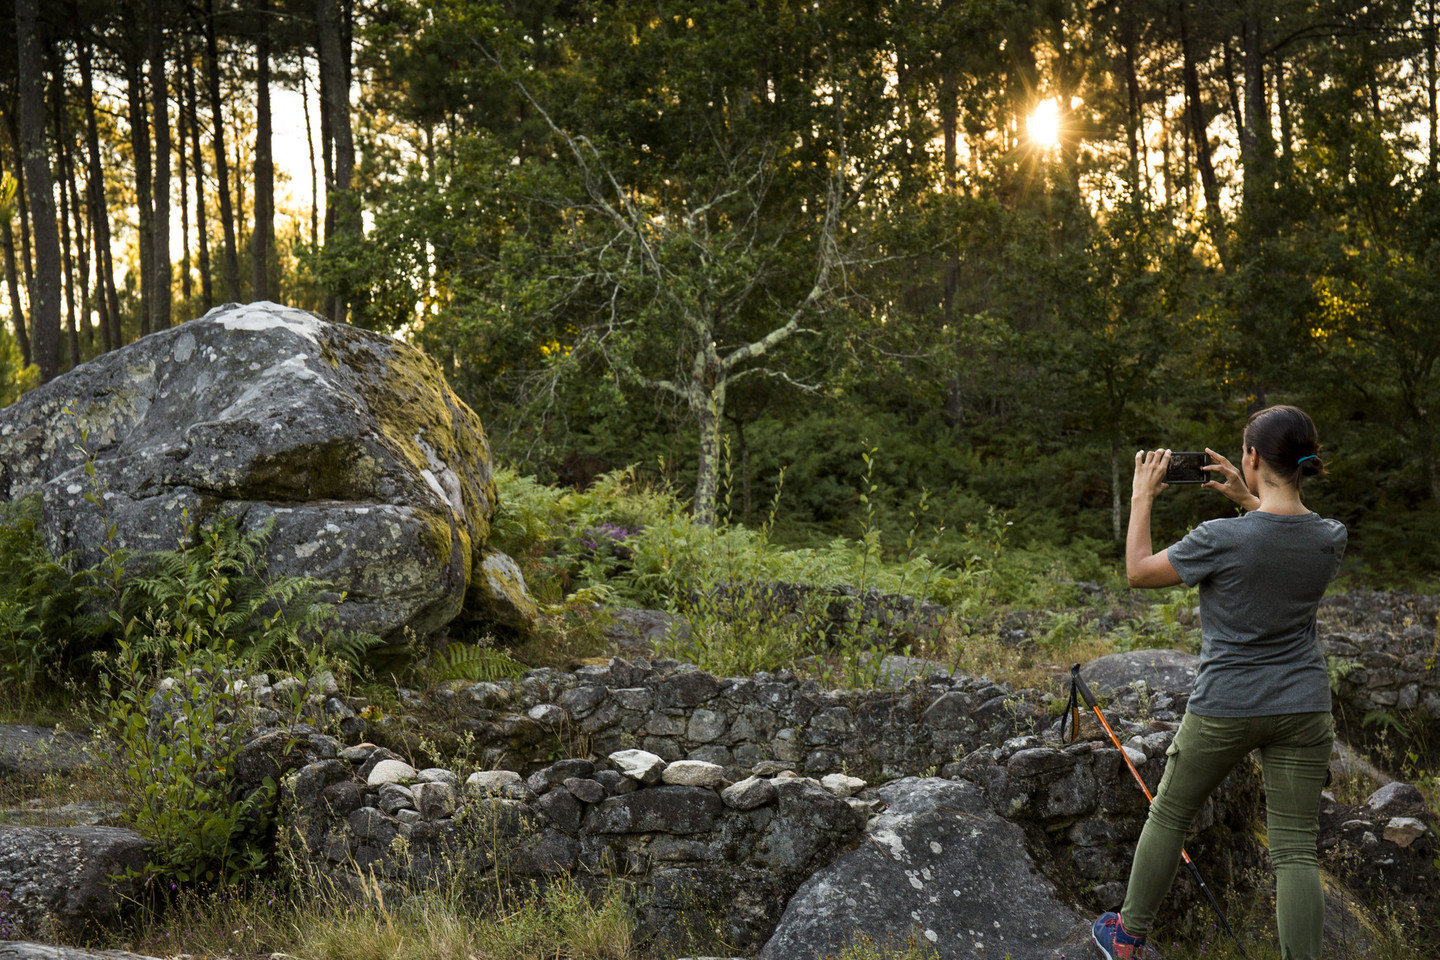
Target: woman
[(1262, 682)]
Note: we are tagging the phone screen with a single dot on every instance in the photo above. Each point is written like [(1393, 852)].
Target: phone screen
[(1185, 468)]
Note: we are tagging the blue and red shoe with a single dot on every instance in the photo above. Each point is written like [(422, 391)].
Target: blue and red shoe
[(1114, 943)]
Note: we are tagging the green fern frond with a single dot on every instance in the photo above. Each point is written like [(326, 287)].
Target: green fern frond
[(350, 646), (464, 661)]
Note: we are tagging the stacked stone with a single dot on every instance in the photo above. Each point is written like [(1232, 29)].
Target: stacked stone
[(264, 705), (677, 712), (1082, 803), (688, 842), (1384, 653)]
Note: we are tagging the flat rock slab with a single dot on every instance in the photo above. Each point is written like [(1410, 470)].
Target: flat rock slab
[(678, 810), (1169, 670), (939, 865), (61, 877), (24, 950), (35, 751)]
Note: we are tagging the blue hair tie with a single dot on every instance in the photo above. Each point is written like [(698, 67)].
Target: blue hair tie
[(1303, 459)]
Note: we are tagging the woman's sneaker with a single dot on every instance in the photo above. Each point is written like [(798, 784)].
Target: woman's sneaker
[(1110, 936)]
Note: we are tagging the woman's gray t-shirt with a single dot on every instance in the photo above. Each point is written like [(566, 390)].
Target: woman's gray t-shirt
[(1261, 577)]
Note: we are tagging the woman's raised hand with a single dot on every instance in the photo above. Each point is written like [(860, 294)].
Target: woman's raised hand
[(1150, 473), (1227, 479)]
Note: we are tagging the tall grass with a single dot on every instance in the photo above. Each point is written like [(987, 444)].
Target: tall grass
[(562, 922)]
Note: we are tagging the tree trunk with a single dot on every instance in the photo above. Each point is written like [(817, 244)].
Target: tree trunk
[(1195, 107), (22, 202), (145, 213), (949, 125), (45, 294), (709, 411), (161, 290), (1132, 95), (1282, 107), (82, 248), (1237, 113), (100, 212), (335, 68), (182, 170), (1431, 82), (67, 267), (202, 224), (231, 260), (12, 286), (264, 168), (1257, 142), (1166, 170), (327, 151), (310, 143)]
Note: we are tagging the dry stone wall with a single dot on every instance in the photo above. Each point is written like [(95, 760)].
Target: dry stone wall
[(745, 796), (701, 859), (679, 713), (1384, 654)]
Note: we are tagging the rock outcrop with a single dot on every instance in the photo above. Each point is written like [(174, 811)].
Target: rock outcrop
[(67, 880), (377, 477), (940, 867), (1172, 670), (36, 751)]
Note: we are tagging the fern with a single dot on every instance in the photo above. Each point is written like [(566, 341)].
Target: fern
[(467, 661), (1385, 720), (216, 586), (40, 629), (348, 646)]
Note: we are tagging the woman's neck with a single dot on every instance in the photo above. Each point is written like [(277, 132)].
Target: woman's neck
[(1280, 498)]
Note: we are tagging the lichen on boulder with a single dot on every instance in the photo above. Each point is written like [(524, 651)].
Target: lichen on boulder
[(376, 474)]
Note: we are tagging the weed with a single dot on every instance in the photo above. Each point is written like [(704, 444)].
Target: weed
[(179, 738)]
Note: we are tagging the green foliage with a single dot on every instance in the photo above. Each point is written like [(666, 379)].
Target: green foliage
[(475, 661), (15, 377), (179, 737), (39, 604), (1160, 624), (215, 588)]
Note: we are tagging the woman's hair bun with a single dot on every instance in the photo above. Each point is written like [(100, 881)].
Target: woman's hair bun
[(1285, 438)]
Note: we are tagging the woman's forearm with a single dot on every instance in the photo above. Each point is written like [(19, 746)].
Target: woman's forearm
[(1137, 539)]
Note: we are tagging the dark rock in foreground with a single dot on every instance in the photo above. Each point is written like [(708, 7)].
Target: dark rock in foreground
[(939, 865), (64, 879)]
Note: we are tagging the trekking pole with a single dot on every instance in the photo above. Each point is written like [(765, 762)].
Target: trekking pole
[(1072, 711)]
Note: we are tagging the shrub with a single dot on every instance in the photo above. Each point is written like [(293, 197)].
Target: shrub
[(178, 739)]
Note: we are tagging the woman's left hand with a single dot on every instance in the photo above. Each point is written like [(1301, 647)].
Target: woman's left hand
[(1150, 473), (1227, 478)]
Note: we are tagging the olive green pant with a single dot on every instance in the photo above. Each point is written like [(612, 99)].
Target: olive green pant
[(1294, 756)]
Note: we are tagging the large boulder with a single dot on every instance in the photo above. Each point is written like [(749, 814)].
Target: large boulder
[(377, 476), (939, 866), (1170, 670), (70, 879)]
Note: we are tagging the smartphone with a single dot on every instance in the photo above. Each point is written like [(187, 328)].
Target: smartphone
[(1185, 467)]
